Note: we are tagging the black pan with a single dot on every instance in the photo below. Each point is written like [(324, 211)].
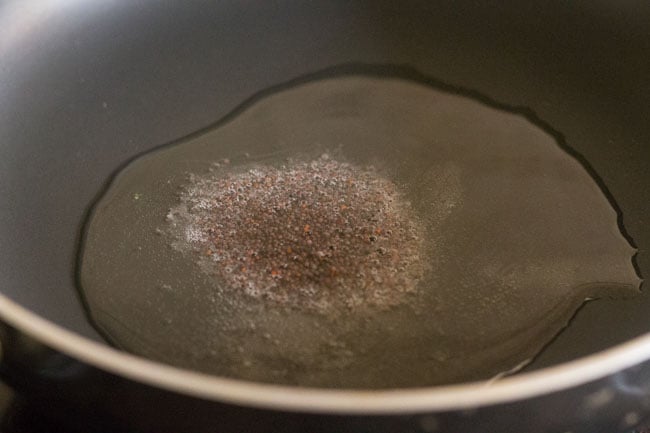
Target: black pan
[(85, 86)]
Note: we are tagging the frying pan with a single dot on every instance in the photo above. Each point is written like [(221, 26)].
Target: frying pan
[(85, 86)]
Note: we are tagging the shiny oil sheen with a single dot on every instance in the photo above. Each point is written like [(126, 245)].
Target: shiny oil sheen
[(518, 235)]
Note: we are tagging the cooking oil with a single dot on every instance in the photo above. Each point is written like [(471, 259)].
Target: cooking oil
[(353, 231)]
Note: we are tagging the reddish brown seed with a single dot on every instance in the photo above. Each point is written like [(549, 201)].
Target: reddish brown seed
[(260, 223)]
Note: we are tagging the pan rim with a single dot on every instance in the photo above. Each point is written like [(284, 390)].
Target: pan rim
[(317, 400)]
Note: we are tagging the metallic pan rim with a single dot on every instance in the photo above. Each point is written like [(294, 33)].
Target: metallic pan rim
[(399, 401)]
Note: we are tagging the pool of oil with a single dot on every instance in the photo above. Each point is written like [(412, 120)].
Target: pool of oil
[(517, 233)]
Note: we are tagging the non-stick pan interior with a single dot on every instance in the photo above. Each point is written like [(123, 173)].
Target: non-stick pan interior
[(84, 87)]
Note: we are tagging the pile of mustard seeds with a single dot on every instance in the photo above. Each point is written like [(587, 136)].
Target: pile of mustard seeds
[(317, 235)]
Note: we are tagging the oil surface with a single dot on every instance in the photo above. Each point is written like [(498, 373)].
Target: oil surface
[(515, 235)]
